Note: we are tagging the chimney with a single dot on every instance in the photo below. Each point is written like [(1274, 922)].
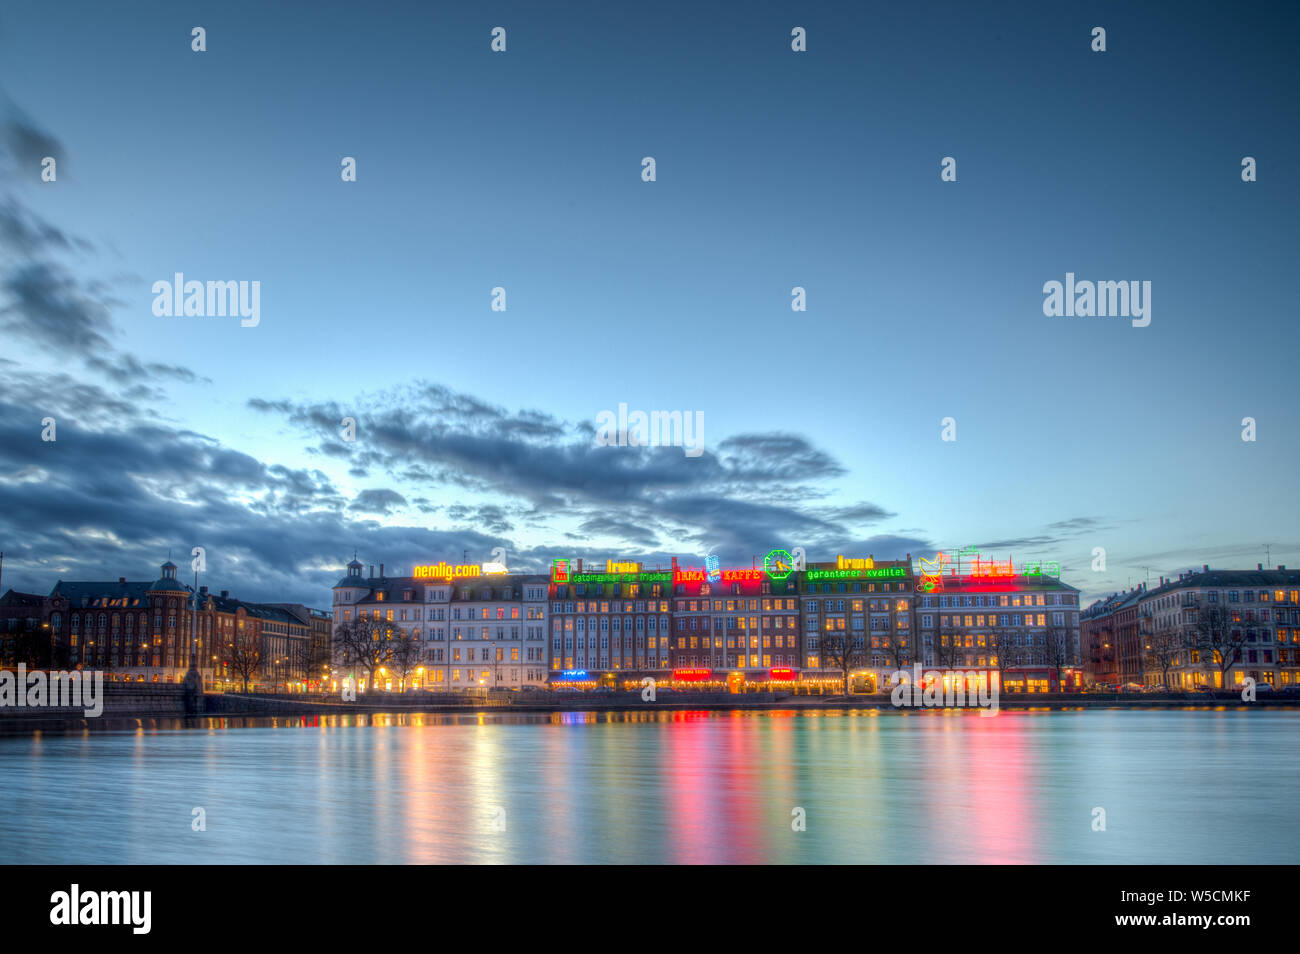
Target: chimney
[(1281, 566), (1205, 568), (1259, 566), (372, 571), (579, 564), (225, 593), (381, 571), (121, 579)]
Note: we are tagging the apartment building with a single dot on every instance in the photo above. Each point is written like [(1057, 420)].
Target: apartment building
[(471, 628)]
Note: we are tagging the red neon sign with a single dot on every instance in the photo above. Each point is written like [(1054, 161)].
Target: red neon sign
[(781, 675), (728, 576), (992, 568), (692, 675)]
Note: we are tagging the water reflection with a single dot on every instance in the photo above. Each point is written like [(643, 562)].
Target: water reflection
[(670, 787)]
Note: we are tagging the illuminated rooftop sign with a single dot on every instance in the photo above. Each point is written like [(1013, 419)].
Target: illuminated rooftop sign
[(728, 576), (445, 571), (932, 573), (559, 571), (614, 567), (854, 564), (662, 576), (987, 568), (992, 568), (875, 573), (778, 564)]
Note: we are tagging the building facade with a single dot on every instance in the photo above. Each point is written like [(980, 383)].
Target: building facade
[(1020, 621), (142, 631), (746, 621), (1217, 628), (614, 619), (469, 629)]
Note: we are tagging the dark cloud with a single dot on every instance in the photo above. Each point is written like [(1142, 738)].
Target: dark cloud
[(751, 491), (42, 303), (378, 501)]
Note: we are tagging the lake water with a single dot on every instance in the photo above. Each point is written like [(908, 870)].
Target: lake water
[(1177, 786)]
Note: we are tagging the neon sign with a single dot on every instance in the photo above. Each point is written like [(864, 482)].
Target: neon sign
[(728, 576), (854, 564), (445, 571), (987, 568), (692, 675), (711, 566), (559, 571), (932, 573), (781, 675), (492, 568), (574, 675), (875, 573), (778, 564), (661, 577), (991, 568), (613, 567)]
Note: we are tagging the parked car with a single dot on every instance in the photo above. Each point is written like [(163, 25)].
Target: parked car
[(1130, 687)]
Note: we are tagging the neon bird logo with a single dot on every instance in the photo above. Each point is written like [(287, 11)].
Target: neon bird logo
[(932, 572)]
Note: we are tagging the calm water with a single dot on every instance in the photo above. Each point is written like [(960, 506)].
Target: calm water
[(1177, 786)]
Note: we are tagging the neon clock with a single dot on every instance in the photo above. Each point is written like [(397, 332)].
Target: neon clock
[(778, 564)]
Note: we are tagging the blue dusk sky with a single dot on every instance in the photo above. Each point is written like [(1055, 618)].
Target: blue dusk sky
[(522, 169)]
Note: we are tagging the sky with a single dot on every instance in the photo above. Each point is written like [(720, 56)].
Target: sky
[(522, 169)]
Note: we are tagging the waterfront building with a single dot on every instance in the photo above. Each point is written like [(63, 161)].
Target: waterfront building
[(141, 631), (870, 600), (1103, 628), (611, 621), (1023, 621), (1217, 627), (135, 631), (472, 629), (317, 652), (744, 623)]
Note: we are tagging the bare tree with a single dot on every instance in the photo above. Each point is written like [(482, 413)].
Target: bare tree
[(364, 644), (837, 652), (1219, 639), (1161, 652), (1058, 650), (244, 657), (1008, 654), (948, 652), (405, 653), (898, 649)]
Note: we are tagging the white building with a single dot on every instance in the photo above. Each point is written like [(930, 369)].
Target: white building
[(476, 630)]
